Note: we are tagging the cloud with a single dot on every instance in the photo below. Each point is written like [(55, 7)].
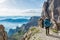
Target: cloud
[(20, 7), (14, 17), (1, 1), (18, 12)]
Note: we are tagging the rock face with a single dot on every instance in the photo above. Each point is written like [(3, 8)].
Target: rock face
[(3, 34), (51, 9)]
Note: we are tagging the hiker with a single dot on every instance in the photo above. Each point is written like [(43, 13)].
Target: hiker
[(47, 25), (42, 23)]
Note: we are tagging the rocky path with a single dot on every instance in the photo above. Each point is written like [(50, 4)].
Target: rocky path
[(42, 36), (52, 35)]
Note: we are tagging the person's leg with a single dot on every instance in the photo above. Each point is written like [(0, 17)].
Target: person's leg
[(42, 24), (48, 30)]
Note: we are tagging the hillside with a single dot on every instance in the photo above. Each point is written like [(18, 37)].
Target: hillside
[(20, 31), (37, 33)]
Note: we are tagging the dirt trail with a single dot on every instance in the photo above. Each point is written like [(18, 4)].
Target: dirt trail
[(52, 36), (41, 35)]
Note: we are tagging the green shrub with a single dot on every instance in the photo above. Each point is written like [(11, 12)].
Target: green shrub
[(54, 30), (32, 29)]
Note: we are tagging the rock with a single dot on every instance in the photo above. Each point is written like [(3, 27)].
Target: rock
[(51, 9), (3, 34)]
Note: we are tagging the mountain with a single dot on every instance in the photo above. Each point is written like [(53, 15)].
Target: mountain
[(52, 11), (15, 20), (25, 27), (33, 22)]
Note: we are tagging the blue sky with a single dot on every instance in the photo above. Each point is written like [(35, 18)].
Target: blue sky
[(21, 7)]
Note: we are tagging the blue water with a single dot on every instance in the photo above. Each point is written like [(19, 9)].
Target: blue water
[(11, 22)]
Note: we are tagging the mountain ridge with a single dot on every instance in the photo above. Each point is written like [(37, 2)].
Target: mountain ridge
[(15, 20), (32, 22)]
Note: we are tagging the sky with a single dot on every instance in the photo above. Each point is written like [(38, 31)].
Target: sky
[(21, 7)]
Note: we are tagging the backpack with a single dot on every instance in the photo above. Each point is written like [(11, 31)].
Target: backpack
[(47, 23)]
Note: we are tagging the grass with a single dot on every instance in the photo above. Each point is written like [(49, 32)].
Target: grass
[(54, 30), (34, 30)]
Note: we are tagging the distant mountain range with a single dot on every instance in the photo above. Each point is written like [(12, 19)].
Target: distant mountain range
[(15, 20), (24, 28)]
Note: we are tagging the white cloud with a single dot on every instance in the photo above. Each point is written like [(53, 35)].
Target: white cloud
[(1, 1), (18, 12), (5, 10)]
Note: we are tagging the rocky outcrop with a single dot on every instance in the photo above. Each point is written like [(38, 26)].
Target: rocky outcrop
[(51, 9), (3, 34)]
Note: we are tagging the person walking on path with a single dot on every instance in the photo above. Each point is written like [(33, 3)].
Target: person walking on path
[(47, 24), (41, 23)]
